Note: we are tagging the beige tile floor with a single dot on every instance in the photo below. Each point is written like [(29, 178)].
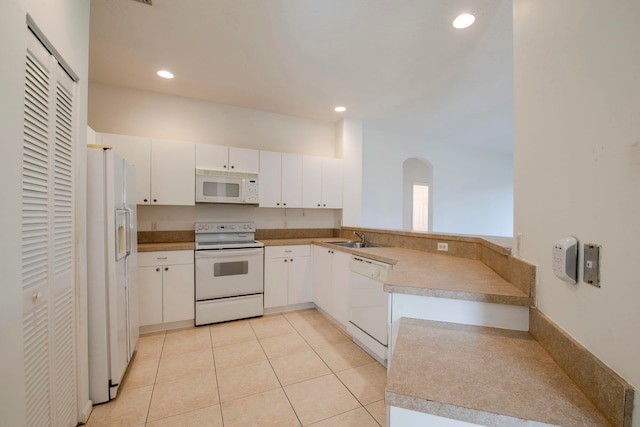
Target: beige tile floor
[(286, 369)]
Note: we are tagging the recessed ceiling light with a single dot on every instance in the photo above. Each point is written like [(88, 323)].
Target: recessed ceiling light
[(165, 74), (340, 109), (464, 20)]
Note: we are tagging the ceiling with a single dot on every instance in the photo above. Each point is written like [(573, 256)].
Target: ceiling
[(398, 65)]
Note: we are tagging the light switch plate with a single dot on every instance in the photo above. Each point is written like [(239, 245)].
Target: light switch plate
[(591, 272)]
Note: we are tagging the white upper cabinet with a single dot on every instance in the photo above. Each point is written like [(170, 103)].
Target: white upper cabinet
[(280, 180), (322, 182), (165, 170), (270, 180), (244, 160), (222, 158), (331, 183), (137, 151), (311, 182), (291, 180), (173, 179), (213, 157)]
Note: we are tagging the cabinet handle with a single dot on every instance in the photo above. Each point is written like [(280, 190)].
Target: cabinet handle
[(157, 268), (155, 200), (161, 257), (288, 251), (318, 204), (166, 269), (233, 167), (278, 204), (225, 166), (324, 205), (284, 204), (291, 259), (146, 200), (285, 260), (36, 296)]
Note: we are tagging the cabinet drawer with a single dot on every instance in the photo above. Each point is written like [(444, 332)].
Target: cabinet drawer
[(149, 259), (287, 251)]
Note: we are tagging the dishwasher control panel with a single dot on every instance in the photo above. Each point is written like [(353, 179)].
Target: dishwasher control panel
[(375, 270)]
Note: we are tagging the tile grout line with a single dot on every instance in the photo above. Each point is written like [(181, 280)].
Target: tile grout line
[(146, 418), (215, 370)]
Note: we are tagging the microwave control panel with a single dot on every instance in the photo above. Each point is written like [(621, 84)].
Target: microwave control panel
[(251, 191)]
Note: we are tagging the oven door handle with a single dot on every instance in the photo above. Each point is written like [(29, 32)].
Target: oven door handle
[(224, 253)]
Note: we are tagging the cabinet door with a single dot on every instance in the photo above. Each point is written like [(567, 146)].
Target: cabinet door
[(214, 157), (331, 183), (136, 151), (150, 295), (178, 293), (172, 173), (321, 278), (244, 160), (340, 273), (291, 180), (299, 290), (270, 179), (275, 282), (311, 182)]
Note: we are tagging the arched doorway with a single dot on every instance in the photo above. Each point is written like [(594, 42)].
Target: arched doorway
[(417, 194)]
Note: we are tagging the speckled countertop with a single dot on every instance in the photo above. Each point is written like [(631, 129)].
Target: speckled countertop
[(488, 376), (428, 274)]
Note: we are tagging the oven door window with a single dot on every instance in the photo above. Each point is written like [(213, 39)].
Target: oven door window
[(220, 189), (233, 268)]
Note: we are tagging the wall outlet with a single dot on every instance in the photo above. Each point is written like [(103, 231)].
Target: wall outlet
[(286, 224), (154, 226), (442, 246)]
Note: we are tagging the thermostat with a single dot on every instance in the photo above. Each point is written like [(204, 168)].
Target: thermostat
[(565, 259)]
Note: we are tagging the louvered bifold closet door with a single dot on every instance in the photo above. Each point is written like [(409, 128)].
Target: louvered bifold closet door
[(63, 295), (47, 241)]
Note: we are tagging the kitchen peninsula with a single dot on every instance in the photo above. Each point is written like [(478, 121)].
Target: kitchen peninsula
[(465, 321)]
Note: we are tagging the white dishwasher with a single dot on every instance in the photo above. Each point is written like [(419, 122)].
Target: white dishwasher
[(369, 306)]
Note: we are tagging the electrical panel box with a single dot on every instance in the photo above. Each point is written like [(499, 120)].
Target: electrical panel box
[(565, 259)]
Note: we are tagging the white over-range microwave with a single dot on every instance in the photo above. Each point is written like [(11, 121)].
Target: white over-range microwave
[(226, 187)]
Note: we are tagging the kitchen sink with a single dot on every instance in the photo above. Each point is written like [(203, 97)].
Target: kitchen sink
[(356, 245)]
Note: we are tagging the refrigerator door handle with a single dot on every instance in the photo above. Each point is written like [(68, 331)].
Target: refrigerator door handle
[(129, 233), (123, 238)]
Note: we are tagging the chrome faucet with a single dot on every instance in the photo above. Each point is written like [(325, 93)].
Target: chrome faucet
[(361, 236)]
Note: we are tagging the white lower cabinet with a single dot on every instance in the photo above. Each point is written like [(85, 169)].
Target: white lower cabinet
[(331, 282), (166, 288), (287, 275)]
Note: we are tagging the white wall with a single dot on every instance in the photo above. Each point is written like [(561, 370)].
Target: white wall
[(66, 24), (349, 139), (125, 111), (472, 187), (577, 164)]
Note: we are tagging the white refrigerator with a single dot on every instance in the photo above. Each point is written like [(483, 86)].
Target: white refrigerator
[(112, 289)]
